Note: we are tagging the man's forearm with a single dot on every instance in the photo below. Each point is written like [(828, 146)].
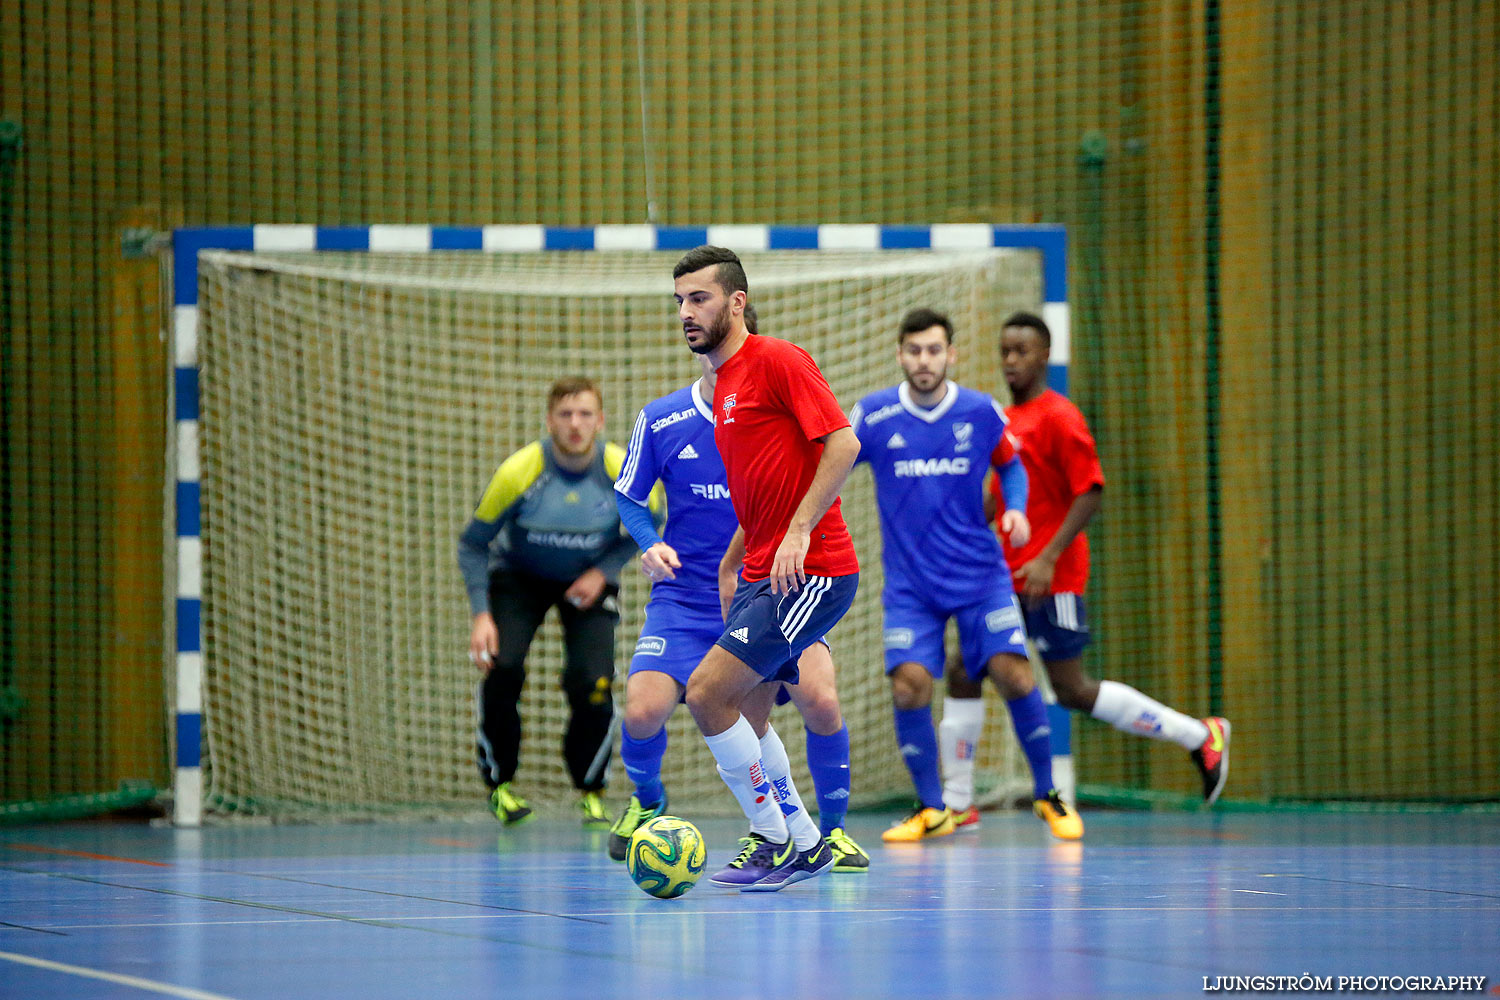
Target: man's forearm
[(734, 556), (1083, 509), (840, 449)]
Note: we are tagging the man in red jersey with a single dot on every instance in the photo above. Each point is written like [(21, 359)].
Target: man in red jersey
[(1052, 569), (787, 449)]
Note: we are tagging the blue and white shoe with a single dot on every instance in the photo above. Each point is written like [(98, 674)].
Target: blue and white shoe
[(816, 860), (759, 858)]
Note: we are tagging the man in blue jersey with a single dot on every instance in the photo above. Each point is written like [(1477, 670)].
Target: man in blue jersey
[(929, 445), (673, 443)]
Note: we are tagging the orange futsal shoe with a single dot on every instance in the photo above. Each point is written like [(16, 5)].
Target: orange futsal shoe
[(1212, 758), (920, 825), (966, 820), (1062, 821)]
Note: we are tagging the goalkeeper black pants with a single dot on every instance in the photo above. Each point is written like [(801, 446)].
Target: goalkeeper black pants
[(519, 602)]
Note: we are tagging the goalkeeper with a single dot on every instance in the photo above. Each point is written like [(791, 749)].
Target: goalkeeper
[(547, 534)]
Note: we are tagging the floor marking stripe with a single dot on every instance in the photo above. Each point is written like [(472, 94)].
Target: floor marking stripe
[(39, 849), (151, 985), (24, 927), (622, 956)]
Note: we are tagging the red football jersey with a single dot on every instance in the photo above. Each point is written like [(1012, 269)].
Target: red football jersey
[(1061, 464), (770, 403)]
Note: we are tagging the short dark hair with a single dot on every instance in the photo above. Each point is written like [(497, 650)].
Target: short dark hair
[(922, 318), (730, 275), (751, 323), (572, 386), (1031, 320)]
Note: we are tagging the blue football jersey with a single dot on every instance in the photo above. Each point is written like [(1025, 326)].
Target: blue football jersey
[(673, 441), (929, 467)]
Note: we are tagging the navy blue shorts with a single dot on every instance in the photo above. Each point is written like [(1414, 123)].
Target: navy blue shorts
[(1059, 626), (989, 625), (768, 632)]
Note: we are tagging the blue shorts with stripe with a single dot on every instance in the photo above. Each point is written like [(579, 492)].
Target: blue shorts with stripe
[(768, 632), (1059, 626), (914, 629), (676, 635)]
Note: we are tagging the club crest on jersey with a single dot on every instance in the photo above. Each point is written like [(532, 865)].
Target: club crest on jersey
[(729, 408), (963, 434)]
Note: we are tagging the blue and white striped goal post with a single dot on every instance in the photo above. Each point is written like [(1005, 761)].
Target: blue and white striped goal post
[(1049, 240)]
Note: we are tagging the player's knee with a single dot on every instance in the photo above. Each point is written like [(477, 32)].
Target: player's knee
[(821, 712), (698, 695), (1075, 693), (907, 693), (643, 718), (1012, 676)]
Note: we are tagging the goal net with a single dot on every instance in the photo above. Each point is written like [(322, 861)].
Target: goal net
[(352, 407)]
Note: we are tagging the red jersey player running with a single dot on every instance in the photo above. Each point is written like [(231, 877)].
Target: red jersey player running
[(1052, 569), (787, 449)]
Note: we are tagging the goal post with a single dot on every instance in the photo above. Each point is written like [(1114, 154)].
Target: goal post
[(341, 394)]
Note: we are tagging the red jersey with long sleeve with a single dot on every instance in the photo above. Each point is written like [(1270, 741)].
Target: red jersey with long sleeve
[(770, 404), (1061, 464)]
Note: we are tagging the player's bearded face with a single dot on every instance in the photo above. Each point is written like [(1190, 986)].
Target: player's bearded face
[(715, 330), (925, 357), (575, 422)]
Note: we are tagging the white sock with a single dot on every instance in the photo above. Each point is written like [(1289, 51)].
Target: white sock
[(737, 752), (958, 742), (779, 771), (1129, 711)]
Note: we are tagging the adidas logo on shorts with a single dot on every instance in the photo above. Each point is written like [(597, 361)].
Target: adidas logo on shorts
[(688, 451), (742, 634)]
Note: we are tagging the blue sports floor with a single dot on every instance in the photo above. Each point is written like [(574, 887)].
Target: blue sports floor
[(1148, 905)]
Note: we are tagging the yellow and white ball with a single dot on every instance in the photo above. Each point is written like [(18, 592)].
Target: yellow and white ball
[(666, 856)]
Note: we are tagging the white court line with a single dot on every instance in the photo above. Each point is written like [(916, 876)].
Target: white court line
[(166, 989)]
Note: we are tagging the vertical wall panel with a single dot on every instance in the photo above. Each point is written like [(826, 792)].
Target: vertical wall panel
[(1481, 251), (1249, 193)]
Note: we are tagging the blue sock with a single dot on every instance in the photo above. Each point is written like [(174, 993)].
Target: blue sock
[(919, 748), (828, 760), (642, 760), (1029, 715)]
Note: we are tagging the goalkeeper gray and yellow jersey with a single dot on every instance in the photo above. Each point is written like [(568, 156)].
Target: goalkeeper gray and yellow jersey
[(537, 517)]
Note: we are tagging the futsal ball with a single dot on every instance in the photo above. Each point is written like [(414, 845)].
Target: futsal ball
[(666, 856)]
